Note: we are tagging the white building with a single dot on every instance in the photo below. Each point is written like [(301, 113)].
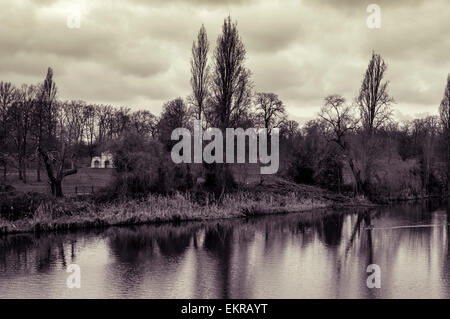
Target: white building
[(103, 161)]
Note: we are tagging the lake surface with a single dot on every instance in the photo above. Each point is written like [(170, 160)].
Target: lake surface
[(320, 254)]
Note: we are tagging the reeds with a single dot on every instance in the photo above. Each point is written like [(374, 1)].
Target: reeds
[(69, 214)]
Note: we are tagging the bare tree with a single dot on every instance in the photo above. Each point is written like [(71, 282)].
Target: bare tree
[(200, 72), (21, 119), (112, 122), (289, 129), (104, 117), (174, 115), (270, 110), (230, 96), (444, 112), (144, 123), (426, 131), (230, 83), (121, 121), (57, 153), (59, 131), (339, 122), (374, 104), (54, 164), (43, 115), (72, 117), (8, 94), (374, 100), (90, 128)]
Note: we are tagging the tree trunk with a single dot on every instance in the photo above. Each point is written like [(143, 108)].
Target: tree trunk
[(38, 170), (356, 173), (19, 169), (357, 176), (24, 171), (4, 172), (56, 187), (339, 179), (448, 162), (58, 192), (55, 182)]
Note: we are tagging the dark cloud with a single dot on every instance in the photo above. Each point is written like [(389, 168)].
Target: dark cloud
[(136, 53), (357, 4), (202, 3)]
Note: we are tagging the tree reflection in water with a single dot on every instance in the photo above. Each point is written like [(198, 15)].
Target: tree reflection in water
[(312, 254)]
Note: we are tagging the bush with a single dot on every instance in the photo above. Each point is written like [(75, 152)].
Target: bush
[(328, 173), (301, 170), (16, 205), (143, 166), (6, 188), (218, 179), (398, 180)]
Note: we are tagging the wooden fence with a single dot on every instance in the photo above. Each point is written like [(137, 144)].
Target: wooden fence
[(83, 190)]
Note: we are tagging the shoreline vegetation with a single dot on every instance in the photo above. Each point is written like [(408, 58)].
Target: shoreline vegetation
[(274, 196)]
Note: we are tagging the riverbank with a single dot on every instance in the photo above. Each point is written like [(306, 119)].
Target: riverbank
[(274, 196)]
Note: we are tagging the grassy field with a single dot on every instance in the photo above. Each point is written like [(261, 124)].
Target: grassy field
[(94, 178), (84, 181)]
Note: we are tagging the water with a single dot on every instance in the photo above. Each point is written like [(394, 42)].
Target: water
[(320, 254)]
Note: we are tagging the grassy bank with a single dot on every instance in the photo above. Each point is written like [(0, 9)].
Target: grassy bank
[(273, 197)]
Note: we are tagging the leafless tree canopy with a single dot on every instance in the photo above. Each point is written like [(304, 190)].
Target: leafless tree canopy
[(337, 117), (144, 123), (444, 112), (231, 84), (200, 72), (374, 100), (270, 110), (8, 94), (444, 108), (21, 113), (174, 115), (338, 123)]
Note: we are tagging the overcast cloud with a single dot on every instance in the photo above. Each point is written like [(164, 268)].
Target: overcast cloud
[(136, 53)]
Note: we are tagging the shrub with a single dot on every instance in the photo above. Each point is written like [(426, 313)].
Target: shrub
[(4, 188), (328, 173), (301, 170), (143, 166), (16, 205)]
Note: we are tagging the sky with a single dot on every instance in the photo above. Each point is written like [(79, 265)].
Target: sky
[(136, 53)]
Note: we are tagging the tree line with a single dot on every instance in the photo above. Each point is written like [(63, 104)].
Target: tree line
[(40, 132), (357, 138)]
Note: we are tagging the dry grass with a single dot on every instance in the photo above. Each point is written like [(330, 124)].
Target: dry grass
[(64, 214), (270, 195)]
